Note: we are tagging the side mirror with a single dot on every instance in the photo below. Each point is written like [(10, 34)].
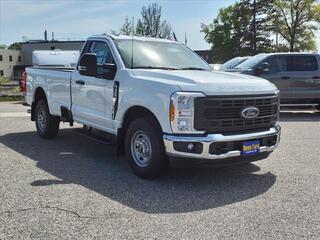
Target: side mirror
[(88, 65), (110, 66), (263, 68)]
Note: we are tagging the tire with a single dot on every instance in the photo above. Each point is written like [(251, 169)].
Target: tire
[(46, 124), (145, 149)]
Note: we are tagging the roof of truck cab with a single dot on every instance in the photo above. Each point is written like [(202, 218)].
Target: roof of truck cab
[(126, 37)]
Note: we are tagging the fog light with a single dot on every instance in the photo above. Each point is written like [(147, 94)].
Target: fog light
[(190, 146)]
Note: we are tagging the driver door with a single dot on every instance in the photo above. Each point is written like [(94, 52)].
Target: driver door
[(277, 70), (92, 95)]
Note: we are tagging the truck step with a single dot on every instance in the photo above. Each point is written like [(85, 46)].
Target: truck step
[(97, 135)]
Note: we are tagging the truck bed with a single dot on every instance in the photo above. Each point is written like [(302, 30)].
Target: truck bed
[(55, 82)]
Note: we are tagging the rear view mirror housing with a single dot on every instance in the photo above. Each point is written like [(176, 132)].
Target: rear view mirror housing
[(88, 65), (110, 66)]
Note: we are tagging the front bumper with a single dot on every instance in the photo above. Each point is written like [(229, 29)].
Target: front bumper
[(207, 141)]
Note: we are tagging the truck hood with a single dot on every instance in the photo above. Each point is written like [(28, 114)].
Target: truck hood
[(210, 83)]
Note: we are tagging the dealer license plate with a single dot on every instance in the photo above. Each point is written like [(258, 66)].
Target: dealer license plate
[(250, 148)]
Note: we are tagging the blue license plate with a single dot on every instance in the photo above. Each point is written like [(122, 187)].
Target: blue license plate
[(250, 148)]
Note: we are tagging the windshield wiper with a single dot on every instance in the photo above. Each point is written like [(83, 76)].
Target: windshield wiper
[(193, 68), (152, 67)]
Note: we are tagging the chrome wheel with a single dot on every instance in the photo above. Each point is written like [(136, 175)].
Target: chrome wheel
[(41, 119), (141, 149)]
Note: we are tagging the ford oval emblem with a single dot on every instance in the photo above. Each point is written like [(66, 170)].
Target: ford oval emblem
[(250, 112)]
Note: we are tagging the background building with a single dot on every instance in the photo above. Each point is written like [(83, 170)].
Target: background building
[(10, 63), (206, 55)]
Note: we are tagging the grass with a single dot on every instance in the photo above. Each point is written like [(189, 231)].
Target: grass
[(4, 80), (11, 98)]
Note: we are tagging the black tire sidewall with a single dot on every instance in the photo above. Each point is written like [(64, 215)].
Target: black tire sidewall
[(51, 122), (158, 162)]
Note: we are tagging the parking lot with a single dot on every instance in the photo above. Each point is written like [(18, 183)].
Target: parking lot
[(74, 187)]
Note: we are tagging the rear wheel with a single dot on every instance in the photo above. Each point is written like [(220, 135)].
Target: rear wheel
[(145, 149), (47, 125)]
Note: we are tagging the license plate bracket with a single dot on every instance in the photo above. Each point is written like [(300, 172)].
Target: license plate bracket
[(250, 148)]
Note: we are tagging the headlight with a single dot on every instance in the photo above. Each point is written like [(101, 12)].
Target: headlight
[(182, 111)]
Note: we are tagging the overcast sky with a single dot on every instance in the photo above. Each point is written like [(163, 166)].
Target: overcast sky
[(70, 19)]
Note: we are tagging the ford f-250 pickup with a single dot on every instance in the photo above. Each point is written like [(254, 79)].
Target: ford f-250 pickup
[(159, 99)]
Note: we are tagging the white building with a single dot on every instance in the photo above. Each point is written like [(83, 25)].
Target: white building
[(10, 60)]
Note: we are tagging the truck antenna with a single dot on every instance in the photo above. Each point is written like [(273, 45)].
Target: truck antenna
[(132, 32)]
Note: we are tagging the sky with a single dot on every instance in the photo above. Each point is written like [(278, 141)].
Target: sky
[(78, 19)]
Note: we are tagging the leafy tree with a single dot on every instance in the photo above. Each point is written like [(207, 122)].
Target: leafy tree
[(298, 20), (240, 30), (150, 24), (15, 46), (126, 28), (2, 46), (260, 28)]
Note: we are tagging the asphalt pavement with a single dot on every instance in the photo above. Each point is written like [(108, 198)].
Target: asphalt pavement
[(74, 187)]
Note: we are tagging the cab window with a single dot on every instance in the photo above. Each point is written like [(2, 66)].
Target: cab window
[(277, 64), (104, 56), (302, 63)]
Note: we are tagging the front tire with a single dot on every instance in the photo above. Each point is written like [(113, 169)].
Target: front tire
[(47, 125), (145, 148)]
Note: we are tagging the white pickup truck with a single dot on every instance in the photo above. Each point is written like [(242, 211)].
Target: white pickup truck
[(159, 99)]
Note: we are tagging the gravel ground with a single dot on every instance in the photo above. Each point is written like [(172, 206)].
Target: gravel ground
[(75, 188)]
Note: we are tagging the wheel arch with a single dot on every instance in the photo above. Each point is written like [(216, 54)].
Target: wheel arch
[(39, 94), (131, 114)]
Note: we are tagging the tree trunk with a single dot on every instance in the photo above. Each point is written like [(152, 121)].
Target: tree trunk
[(292, 40), (254, 28)]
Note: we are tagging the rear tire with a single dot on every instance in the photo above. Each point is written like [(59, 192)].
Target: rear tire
[(47, 125), (145, 149)]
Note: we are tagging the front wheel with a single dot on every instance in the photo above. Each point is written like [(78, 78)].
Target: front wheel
[(47, 125), (145, 149)]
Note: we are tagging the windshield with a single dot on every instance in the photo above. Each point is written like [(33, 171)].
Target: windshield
[(159, 55), (251, 62), (233, 62)]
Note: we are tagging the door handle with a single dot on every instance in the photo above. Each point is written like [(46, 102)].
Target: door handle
[(80, 82), (316, 77), (285, 77)]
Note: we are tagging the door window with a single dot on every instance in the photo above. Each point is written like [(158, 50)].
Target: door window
[(104, 56), (277, 64), (86, 48), (302, 63)]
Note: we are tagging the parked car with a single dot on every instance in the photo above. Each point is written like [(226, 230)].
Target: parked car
[(297, 75), (232, 63), (158, 98)]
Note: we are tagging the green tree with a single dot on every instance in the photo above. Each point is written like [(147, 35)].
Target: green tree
[(240, 30), (150, 24), (126, 28), (15, 46), (2, 46), (297, 22), (260, 27)]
